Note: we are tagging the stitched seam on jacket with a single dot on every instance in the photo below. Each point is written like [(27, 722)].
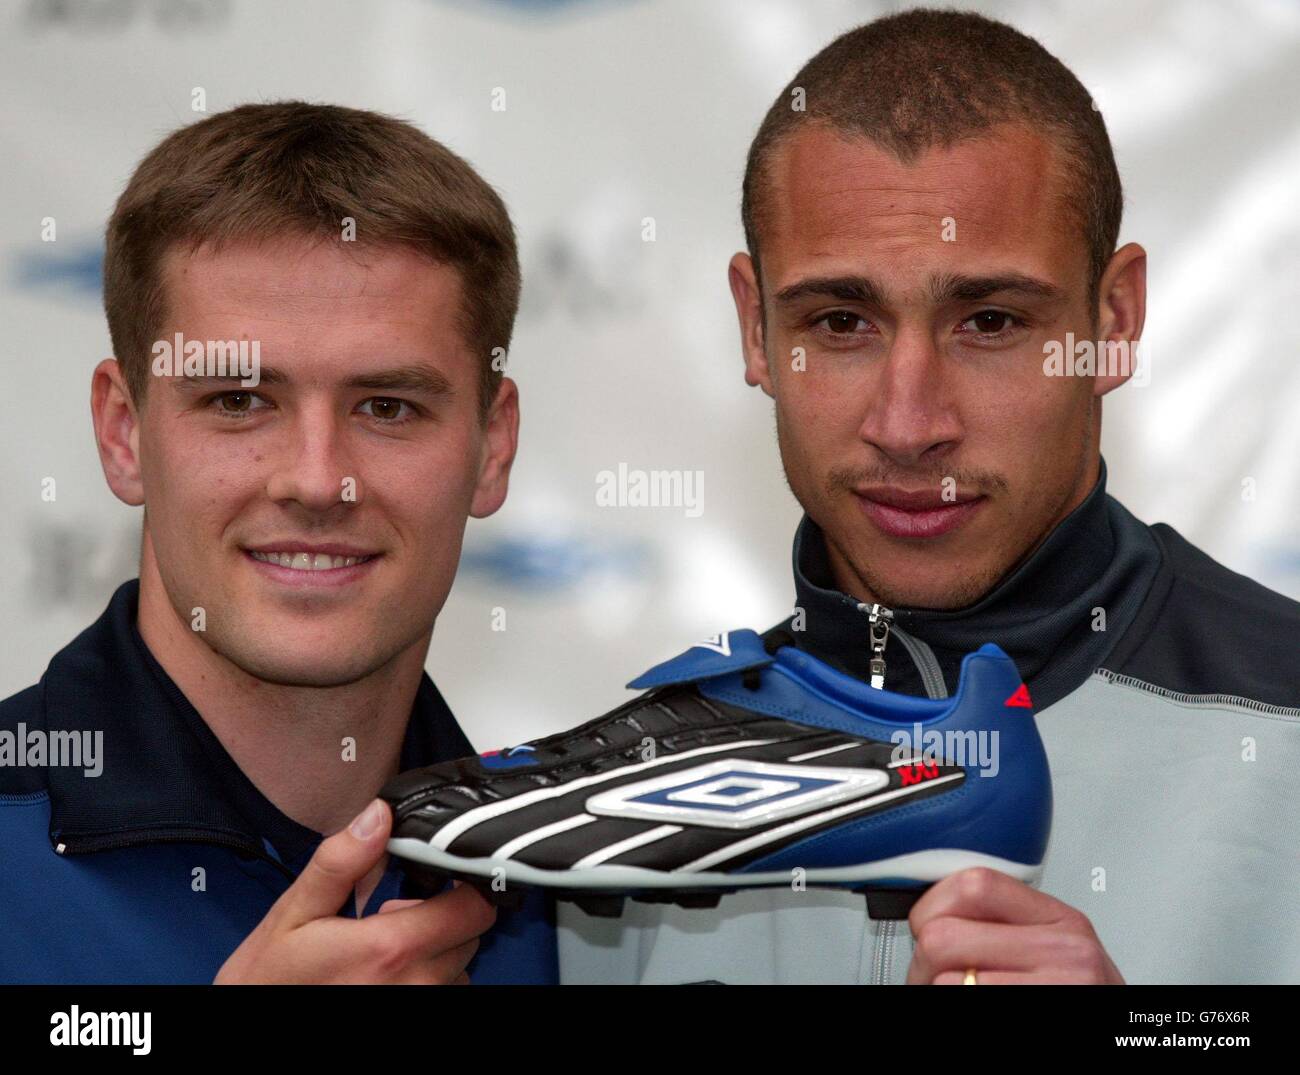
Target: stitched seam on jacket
[(26, 799), (1233, 700)]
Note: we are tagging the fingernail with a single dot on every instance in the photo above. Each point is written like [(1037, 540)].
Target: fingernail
[(366, 822)]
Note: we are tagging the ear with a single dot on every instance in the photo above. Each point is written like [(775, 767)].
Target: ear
[(117, 432), (749, 310), (501, 441), (1121, 313)]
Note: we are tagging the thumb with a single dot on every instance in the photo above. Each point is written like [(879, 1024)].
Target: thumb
[(338, 864)]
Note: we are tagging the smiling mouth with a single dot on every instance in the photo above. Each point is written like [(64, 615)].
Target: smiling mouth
[(297, 560)]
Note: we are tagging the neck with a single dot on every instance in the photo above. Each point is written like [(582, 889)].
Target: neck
[(319, 754), (1056, 614)]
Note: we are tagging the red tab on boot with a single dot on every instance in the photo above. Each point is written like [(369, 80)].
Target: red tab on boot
[(1020, 698)]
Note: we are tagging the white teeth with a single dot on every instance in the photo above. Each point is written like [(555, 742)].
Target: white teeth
[(305, 561)]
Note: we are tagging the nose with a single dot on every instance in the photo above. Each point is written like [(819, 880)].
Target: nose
[(314, 466), (912, 417)]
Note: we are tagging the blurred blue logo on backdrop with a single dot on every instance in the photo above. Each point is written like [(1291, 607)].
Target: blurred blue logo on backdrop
[(550, 564), (75, 269)]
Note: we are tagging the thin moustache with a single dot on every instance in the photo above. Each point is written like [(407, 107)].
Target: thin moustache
[(913, 499)]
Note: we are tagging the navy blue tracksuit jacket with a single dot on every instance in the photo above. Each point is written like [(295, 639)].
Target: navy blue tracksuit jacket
[(154, 870)]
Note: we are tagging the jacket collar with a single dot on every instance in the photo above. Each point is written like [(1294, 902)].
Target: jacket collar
[(165, 775), (1043, 614)]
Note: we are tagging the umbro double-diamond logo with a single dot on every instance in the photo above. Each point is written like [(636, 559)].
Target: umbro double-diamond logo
[(732, 794)]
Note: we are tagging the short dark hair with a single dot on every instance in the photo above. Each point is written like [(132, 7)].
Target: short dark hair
[(260, 171), (924, 78)]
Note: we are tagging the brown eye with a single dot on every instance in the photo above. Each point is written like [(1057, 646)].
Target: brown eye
[(991, 321), (386, 410), (237, 402), (841, 321)]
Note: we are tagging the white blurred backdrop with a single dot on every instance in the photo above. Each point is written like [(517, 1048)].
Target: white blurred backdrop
[(626, 351)]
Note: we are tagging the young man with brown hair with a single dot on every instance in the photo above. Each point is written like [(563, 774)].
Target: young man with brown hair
[(303, 522)]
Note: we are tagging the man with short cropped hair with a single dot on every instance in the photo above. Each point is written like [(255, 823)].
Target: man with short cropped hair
[(303, 521), (932, 210)]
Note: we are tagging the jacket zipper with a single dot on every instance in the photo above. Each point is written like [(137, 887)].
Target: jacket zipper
[(882, 968), (89, 845), (880, 620)]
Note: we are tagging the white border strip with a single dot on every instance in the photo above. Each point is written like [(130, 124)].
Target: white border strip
[(507, 849), (616, 849), (923, 867)]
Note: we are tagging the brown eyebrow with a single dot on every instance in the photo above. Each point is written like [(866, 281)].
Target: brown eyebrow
[(958, 287), (265, 375), (421, 379), (949, 287), (845, 288)]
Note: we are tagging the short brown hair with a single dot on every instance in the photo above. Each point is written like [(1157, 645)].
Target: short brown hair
[(264, 170), (925, 78)]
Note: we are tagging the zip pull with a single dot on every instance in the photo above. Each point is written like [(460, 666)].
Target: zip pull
[(880, 619)]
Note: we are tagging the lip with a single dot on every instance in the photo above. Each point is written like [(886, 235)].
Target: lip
[(332, 548), (919, 513), (327, 579)]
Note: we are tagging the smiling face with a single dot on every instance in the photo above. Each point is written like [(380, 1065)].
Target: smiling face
[(316, 518), (907, 309)]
